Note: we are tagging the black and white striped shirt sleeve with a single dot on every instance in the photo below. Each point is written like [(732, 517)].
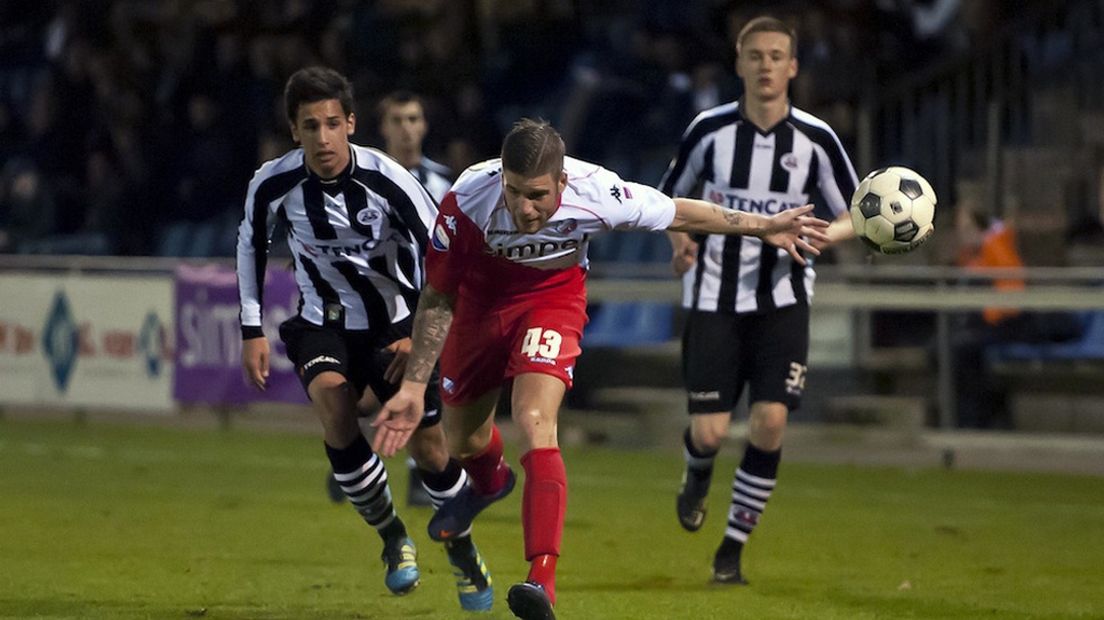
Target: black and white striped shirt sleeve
[(684, 171), (254, 234)]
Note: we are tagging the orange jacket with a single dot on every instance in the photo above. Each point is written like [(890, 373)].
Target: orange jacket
[(998, 249)]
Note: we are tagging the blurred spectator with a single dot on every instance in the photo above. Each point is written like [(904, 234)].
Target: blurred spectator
[(985, 242), (27, 209), (403, 125), (180, 98)]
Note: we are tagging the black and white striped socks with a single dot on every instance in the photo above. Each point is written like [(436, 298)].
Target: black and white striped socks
[(751, 488), (361, 474)]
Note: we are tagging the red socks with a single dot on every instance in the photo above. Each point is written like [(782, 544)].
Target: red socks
[(542, 514), (487, 470)]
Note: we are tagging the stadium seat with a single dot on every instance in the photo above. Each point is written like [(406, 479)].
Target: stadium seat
[(627, 324), (1089, 346)]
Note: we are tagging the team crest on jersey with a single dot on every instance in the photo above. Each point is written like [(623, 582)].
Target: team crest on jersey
[(441, 240), (789, 161), (566, 227), (366, 216)]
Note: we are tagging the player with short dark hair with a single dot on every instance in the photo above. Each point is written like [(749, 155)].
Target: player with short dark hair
[(357, 227), (749, 303), (505, 305), (403, 125)]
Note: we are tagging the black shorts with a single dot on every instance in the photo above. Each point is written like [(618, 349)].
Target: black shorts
[(721, 351), (359, 356)]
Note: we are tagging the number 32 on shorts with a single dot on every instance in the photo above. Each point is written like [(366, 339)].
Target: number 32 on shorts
[(540, 342)]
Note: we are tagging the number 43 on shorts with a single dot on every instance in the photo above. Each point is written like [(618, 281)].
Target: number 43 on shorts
[(540, 342)]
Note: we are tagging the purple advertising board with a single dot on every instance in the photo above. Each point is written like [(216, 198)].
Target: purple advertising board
[(208, 337)]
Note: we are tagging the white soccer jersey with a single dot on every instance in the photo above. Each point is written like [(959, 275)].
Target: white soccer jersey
[(726, 159), (436, 178), (358, 241), (475, 242)]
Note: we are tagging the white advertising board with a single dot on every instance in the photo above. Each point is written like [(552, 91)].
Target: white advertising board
[(86, 341)]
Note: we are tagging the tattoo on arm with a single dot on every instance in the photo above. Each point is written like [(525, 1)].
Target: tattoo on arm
[(431, 326), (734, 218)]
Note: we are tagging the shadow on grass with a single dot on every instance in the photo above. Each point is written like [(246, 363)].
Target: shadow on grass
[(644, 584), (105, 608)]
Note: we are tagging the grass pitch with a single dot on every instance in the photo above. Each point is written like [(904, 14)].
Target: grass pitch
[(114, 521)]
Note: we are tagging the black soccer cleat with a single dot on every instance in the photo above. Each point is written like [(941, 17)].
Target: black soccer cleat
[(473, 580), (400, 558), (690, 502), (726, 564), (529, 601)]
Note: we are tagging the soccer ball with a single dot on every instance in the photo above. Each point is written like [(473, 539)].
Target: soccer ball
[(893, 210)]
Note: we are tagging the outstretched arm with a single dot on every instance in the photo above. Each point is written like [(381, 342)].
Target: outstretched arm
[(792, 229), (400, 416)]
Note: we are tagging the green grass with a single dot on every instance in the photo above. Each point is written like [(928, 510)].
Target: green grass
[(113, 521)]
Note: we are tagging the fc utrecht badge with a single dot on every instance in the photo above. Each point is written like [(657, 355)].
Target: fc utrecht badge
[(441, 240)]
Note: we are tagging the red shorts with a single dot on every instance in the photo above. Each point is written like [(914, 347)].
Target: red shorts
[(484, 349)]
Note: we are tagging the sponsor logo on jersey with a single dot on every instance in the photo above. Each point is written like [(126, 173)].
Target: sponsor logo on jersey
[(542, 360), (440, 240), (771, 206), (448, 385), (353, 249), (534, 249), (616, 193), (367, 216), (628, 194), (450, 221), (789, 161), (570, 370)]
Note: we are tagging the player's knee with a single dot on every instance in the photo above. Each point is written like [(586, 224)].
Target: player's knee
[(538, 427), (710, 439), (709, 431), (333, 397), (768, 422)]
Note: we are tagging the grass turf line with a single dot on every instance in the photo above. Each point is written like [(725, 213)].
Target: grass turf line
[(114, 521)]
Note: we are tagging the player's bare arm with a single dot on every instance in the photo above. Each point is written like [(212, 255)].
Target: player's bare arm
[(395, 370), (400, 416), (792, 230), (839, 230), (255, 354), (684, 251)]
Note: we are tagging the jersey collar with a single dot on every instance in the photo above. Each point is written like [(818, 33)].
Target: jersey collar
[(338, 180), (740, 103)]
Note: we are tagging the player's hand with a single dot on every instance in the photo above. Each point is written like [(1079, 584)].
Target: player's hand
[(395, 370), (684, 253), (398, 419), (255, 355), (793, 230)]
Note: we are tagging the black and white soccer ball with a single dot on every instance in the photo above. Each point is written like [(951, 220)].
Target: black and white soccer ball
[(893, 210)]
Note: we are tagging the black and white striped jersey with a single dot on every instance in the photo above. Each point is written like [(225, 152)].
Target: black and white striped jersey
[(436, 178), (724, 158), (358, 240)]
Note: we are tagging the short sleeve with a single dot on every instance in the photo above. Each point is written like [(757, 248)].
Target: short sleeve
[(449, 252), (633, 206)]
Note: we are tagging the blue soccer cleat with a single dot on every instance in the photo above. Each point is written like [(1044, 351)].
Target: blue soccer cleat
[(401, 558), (454, 517), (529, 601), (473, 580)]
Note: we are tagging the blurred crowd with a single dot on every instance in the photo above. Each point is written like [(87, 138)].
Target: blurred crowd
[(133, 126)]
